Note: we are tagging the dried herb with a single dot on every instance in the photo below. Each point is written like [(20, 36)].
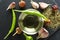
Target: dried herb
[(53, 16)]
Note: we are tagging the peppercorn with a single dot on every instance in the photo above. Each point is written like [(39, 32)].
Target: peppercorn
[(54, 7), (22, 3)]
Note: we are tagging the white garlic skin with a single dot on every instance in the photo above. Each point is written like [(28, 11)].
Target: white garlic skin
[(12, 5), (35, 5), (43, 5)]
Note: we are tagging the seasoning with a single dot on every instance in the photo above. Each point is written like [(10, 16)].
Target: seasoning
[(43, 5), (22, 3), (54, 17), (28, 37), (13, 24), (54, 7), (11, 6), (34, 5), (18, 31), (33, 12), (43, 33)]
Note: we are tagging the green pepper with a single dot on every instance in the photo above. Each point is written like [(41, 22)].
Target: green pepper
[(28, 37), (33, 12), (13, 24)]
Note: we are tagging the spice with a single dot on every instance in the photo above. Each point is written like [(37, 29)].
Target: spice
[(28, 37), (12, 5), (54, 7), (46, 23), (43, 33), (22, 3), (18, 31), (43, 5), (33, 12), (54, 17), (34, 5), (13, 24)]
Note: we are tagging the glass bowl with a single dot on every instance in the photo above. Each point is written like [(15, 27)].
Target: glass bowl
[(30, 24)]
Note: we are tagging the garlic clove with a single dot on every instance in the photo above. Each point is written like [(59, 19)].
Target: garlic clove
[(12, 5), (35, 5), (43, 5), (43, 33)]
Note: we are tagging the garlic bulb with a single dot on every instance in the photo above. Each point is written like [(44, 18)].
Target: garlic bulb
[(43, 33), (34, 5), (12, 5), (43, 5)]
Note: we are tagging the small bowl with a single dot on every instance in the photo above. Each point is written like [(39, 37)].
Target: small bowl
[(30, 24)]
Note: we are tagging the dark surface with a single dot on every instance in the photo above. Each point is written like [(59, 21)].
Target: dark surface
[(6, 19)]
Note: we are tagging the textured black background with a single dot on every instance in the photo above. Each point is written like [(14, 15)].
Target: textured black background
[(6, 19)]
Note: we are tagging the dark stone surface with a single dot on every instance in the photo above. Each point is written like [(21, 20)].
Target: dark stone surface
[(6, 19)]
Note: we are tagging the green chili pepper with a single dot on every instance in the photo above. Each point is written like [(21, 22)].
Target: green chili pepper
[(33, 12), (13, 24), (28, 37)]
